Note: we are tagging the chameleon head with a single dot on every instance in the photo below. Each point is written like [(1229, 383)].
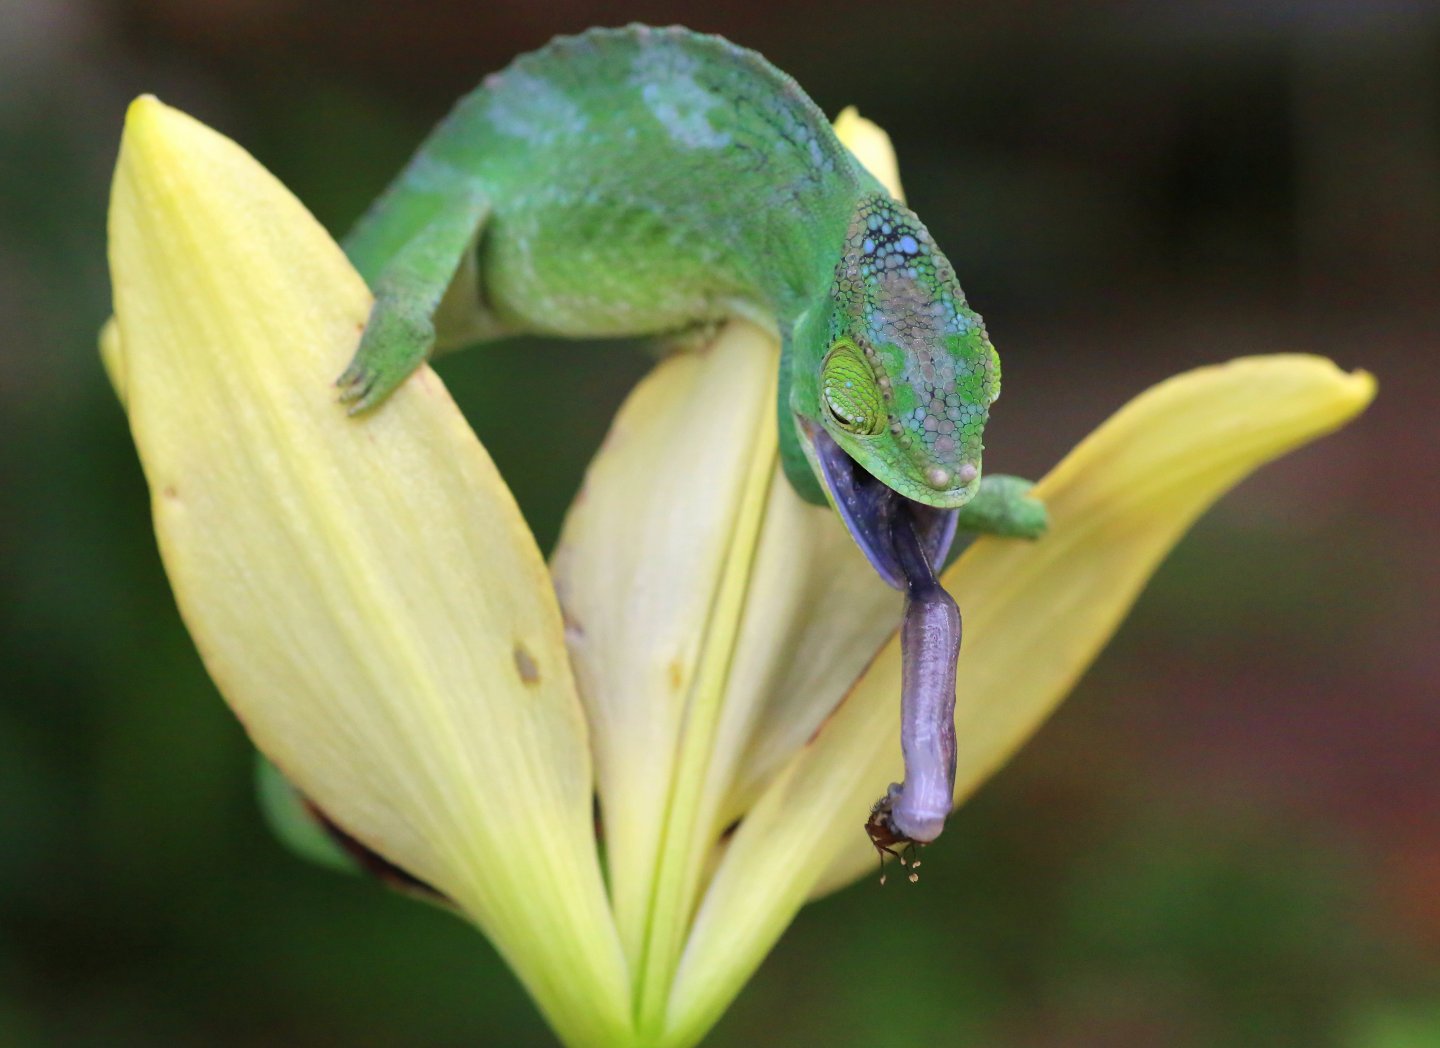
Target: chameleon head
[(907, 374), (892, 385), (894, 377)]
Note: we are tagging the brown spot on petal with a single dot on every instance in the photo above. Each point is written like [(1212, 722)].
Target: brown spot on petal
[(677, 675), (525, 665)]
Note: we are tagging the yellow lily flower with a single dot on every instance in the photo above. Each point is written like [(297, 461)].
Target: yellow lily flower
[(701, 653)]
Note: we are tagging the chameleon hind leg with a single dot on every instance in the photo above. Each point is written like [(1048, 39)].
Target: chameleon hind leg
[(409, 287)]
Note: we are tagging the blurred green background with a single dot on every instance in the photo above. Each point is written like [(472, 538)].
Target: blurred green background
[(1230, 835)]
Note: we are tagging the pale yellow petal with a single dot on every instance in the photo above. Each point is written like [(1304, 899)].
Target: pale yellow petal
[(651, 569), (714, 618), (872, 147), (363, 590), (1035, 616)]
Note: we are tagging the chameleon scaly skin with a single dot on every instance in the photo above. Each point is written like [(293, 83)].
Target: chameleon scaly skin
[(636, 181)]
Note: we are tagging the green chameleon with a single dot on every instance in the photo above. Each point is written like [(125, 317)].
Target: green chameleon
[(637, 181)]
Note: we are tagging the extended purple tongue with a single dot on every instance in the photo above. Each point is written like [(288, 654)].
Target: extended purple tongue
[(915, 810), (929, 650), (903, 539)]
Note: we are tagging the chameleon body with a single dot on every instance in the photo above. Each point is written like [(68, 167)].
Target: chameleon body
[(637, 181)]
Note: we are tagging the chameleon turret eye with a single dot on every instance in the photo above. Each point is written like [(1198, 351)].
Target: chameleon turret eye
[(851, 395)]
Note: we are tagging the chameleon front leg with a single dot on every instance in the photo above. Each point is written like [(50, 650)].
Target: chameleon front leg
[(1003, 506), (408, 289)]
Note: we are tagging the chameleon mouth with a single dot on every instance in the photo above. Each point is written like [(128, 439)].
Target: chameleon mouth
[(872, 511)]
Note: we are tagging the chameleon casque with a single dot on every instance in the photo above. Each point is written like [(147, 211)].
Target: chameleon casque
[(637, 181)]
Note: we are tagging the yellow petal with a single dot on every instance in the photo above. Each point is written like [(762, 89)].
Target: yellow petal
[(1035, 616), (364, 591), (872, 147), (1118, 503)]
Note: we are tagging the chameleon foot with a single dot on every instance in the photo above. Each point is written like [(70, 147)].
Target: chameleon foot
[(397, 340), (1004, 507)]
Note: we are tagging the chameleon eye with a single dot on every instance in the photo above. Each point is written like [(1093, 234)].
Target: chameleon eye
[(848, 388)]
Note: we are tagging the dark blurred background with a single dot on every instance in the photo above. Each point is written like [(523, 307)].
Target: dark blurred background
[(1230, 835)]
